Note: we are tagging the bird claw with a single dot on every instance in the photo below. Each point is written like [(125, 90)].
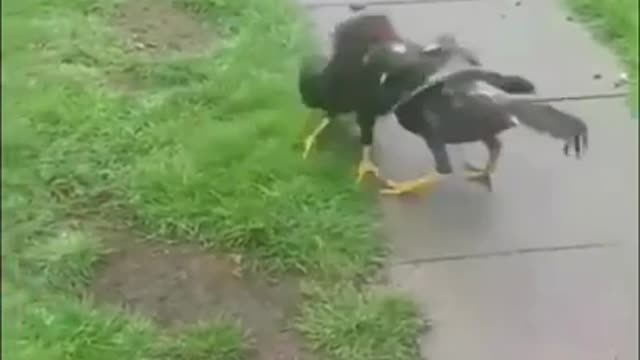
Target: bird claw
[(422, 185), (479, 176), (367, 167)]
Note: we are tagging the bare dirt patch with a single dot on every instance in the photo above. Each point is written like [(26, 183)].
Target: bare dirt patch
[(156, 28), (179, 285)]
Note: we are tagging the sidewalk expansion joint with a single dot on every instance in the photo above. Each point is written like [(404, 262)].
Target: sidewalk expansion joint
[(503, 253)]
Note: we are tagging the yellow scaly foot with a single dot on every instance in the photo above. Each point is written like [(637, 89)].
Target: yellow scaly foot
[(424, 184), (367, 167), (311, 139)]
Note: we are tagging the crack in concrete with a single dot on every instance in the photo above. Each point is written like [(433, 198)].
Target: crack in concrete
[(616, 95), (377, 3), (503, 253)]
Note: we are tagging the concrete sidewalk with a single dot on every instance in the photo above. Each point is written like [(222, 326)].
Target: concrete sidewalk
[(546, 266)]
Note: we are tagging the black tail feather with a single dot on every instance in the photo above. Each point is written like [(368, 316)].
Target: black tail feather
[(555, 123), (579, 143)]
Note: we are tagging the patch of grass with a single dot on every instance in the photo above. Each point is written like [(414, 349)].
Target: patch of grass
[(57, 328), (65, 261), (206, 342), (616, 23), (54, 327), (347, 324)]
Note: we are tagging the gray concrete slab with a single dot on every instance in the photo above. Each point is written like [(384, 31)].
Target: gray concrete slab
[(551, 306), (534, 40), (541, 198)]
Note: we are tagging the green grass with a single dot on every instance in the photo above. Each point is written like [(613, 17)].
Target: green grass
[(346, 324), (206, 152), (66, 260), (615, 22), (47, 326)]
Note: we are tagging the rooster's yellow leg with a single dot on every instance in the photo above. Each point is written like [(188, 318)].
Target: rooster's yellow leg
[(311, 139)]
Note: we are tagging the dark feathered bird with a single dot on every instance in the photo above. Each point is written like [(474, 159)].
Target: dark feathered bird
[(462, 106), (343, 84), (338, 85)]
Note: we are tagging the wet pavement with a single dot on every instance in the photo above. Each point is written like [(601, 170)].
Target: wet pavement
[(546, 266)]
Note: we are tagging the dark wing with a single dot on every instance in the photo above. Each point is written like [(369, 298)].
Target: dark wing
[(392, 69), (540, 117), (444, 52), (511, 84)]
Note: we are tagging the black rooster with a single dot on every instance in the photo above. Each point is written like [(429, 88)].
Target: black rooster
[(338, 85), (343, 84)]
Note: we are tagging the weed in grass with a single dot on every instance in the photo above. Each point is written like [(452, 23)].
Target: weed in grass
[(347, 324)]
